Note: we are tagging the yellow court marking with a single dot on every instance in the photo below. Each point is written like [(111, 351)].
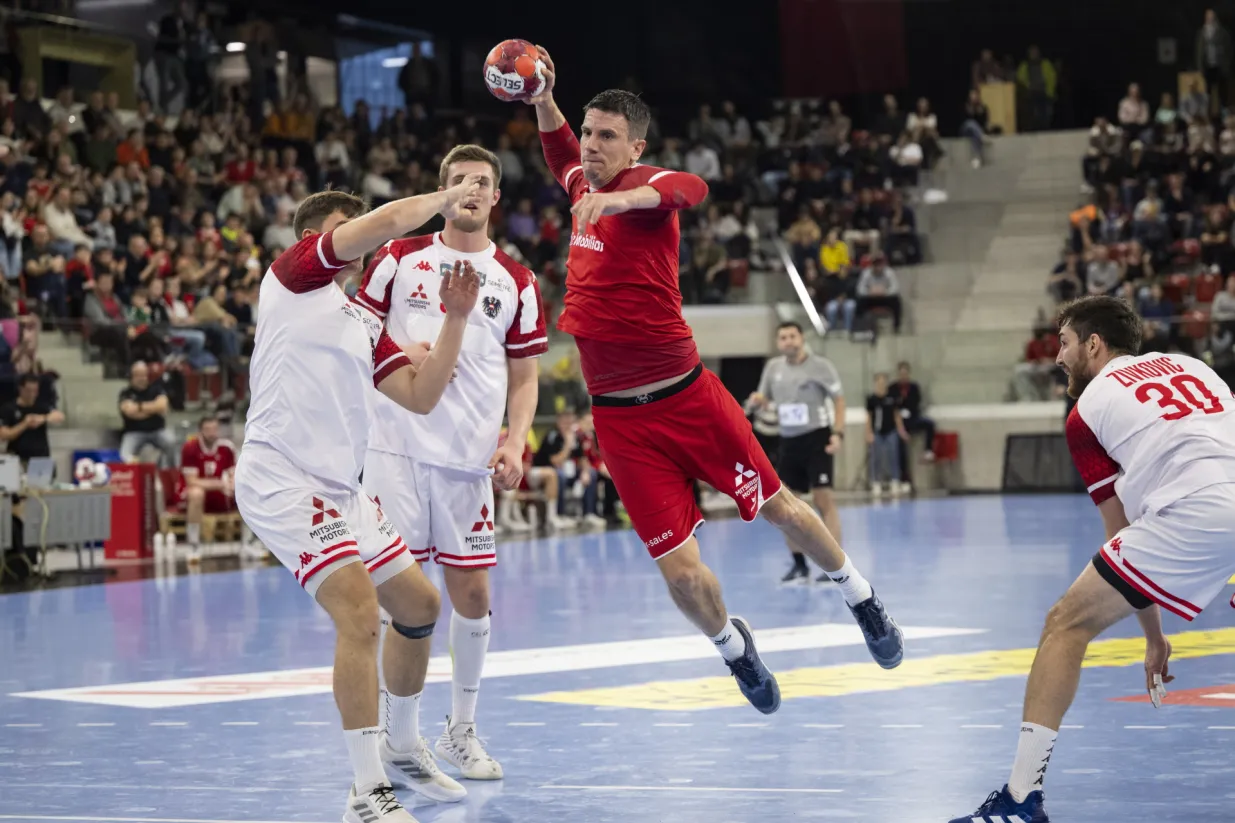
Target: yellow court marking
[(854, 678), (1232, 580)]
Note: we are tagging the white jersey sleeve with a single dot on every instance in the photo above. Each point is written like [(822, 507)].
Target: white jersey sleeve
[(1152, 430)]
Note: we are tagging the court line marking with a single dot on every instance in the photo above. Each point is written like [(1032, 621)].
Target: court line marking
[(599, 724), (94, 725), (313, 723), (823, 725), (725, 789), (239, 723), (93, 819), (672, 725), (23, 725), (981, 726), (524, 723), (195, 691), (1061, 728), (1223, 728), (901, 726), (838, 680), (130, 787), (1154, 728), (169, 723)]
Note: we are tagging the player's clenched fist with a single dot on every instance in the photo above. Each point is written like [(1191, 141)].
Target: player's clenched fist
[(460, 288)]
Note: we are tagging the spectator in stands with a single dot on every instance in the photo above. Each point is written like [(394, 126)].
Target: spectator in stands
[(1149, 222), (703, 161), (143, 409), (24, 422), (904, 247), (803, 237), (105, 316), (1156, 310), (1178, 205), (834, 127), (28, 116), (1223, 309), (1133, 115), (909, 399), (976, 124), (878, 288), (1216, 238), (1065, 280), (45, 264), (1193, 104), (1214, 58), (863, 231), (207, 463), (559, 450), (908, 159), (11, 235), (709, 270), (891, 123), (1037, 81), (590, 466), (1103, 275), (1105, 140), (1032, 379), (836, 291), (62, 223), (885, 431), (923, 128), (987, 69)]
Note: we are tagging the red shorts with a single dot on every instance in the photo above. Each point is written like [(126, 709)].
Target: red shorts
[(217, 502), (655, 450)]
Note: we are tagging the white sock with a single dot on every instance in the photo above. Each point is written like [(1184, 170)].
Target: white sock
[(366, 759), (852, 584), (403, 721), (1033, 753), (469, 643), (730, 642), (193, 531)]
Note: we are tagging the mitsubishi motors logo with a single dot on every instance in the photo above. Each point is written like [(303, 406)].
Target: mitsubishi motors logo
[(419, 292), (418, 299), (743, 474), (484, 522), (322, 512)]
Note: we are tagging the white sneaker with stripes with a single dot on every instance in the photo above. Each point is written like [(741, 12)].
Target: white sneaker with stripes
[(460, 746), (417, 770), (375, 805)]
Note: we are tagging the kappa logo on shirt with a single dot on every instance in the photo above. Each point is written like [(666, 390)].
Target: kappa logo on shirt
[(423, 265)]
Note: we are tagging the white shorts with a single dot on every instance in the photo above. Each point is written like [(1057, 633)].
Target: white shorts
[(1180, 557), (314, 532), (443, 514)]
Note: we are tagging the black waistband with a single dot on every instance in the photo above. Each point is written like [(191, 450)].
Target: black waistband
[(650, 397)]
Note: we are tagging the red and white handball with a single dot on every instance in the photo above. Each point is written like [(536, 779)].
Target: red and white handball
[(514, 71)]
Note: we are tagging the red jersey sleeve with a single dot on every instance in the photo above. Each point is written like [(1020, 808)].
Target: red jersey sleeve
[(375, 288), (526, 336), (225, 454), (1098, 470), (191, 456), (677, 189), (388, 358), (308, 265), (561, 150)]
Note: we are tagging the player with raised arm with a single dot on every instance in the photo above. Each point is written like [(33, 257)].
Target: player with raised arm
[(434, 474), (662, 419), (1153, 437), (317, 360)]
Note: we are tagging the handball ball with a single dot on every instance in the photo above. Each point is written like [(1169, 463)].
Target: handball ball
[(513, 71)]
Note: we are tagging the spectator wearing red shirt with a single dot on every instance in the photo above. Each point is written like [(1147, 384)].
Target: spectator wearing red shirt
[(207, 467), (1032, 379), (133, 150), (242, 169)]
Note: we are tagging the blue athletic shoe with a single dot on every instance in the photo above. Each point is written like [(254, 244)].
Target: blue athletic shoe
[(1001, 808), (883, 636), (756, 682)]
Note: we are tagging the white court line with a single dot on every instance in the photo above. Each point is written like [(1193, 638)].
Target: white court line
[(149, 762), (524, 724), (240, 723), (748, 725), (64, 763), (672, 725), (823, 725), (901, 726), (313, 723), (1145, 727), (23, 725), (129, 819), (169, 723), (1223, 728), (1061, 728), (131, 787), (727, 789), (981, 726), (598, 724), (94, 725)]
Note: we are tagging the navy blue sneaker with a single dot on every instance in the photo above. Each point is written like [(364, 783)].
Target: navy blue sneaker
[(883, 636), (1001, 808), (756, 682)]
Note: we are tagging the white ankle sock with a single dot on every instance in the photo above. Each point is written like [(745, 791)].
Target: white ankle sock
[(193, 533), (469, 643), (852, 584), (729, 642), (366, 759), (1033, 753), (403, 721)]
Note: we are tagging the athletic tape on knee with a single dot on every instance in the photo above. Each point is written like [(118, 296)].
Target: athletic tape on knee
[(413, 632)]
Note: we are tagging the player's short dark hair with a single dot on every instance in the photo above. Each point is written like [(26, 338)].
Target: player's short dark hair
[(627, 104), (469, 153), (207, 418), (790, 324), (315, 208), (1111, 318)]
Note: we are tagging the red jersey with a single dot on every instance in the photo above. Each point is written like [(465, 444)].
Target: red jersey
[(210, 464), (623, 304)]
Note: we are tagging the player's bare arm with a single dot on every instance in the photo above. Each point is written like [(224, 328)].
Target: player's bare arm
[(548, 116), (838, 427), (522, 394), (358, 237), (419, 389)]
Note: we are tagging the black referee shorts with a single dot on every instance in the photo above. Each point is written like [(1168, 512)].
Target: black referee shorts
[(804, 462)]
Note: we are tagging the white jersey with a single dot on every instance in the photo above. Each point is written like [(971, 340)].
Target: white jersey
[(402, 285), (316, 360), (1153, 429)]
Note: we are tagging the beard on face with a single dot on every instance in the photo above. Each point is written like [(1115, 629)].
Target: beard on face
[(1077, 380)]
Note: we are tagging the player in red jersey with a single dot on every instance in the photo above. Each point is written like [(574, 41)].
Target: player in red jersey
[(662, 419), (207, 466)]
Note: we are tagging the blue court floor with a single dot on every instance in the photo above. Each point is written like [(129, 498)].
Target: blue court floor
[(206, 698)]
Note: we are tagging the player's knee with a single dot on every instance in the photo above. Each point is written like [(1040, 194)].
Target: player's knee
[(785, 510), (417, 605), (1065, 618), (469, 592), (357, 620), (195, 494), (685, 579)]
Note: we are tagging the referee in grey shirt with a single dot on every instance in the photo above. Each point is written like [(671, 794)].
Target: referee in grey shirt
[(805, 390)]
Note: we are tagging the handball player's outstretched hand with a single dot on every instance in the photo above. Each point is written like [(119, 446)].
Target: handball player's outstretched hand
[(457, 196), (595, 205), (1157, 669), (460, 288), (546, 94)]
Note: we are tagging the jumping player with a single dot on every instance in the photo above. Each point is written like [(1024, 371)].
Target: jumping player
[(1154, 440), (663, 420), (207, 466), (434, 474), (805, 391), (317, 359)]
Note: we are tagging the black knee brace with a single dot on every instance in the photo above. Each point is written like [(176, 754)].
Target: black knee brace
[(413, 632)]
